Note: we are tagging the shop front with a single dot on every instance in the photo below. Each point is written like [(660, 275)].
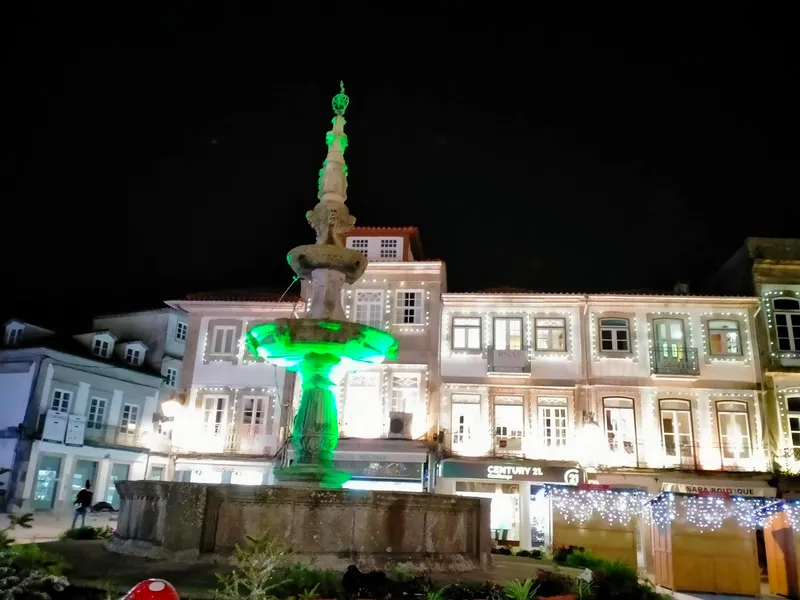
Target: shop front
[(521, 513), (223, 471)]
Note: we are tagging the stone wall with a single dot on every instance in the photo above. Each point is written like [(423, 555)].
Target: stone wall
[(335, 528)]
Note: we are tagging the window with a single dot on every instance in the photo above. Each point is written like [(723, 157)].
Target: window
[(363, 410), (130, 417), (388, 249), (156, 473), (222, 340), (723, 338), (551, 334), (181, 331), (360, 244), (369, 308), (97, 413), (466, 418), (734, 430), (676, 428), (405, 393), (787, 323), (133, 356), (508, 334), (553, 425), (793, 406), (214, 414), (466, 333), (508, 421), (172, 376), (620, 425), (14, 335), (61, 400), (253, 412), (669, 339), (408, 308), (100, 347), (615, 335)]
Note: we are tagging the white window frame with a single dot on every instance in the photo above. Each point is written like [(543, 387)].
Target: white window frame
[(96, 419), (616, 338), (710, 331), (14, 335), (133, 356), (389, 249), (130, 421), (363, 409), (218, 330), (181, 331), (551, 329), (405, 398), (400, 307), (791, 315), (793, 419), (370, 306), (515, 429), (63, 398), (101, 347), (669, 406), (465, 433), (615, 447), (360, 244), (504, 324), (171, 377), (551, 435), (739, 454), (213, 406), (466, 330)]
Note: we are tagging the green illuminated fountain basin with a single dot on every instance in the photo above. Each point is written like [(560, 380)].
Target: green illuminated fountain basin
[(321, 351)]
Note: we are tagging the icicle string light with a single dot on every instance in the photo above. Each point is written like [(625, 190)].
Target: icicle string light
[(709, 513), (581, 505)]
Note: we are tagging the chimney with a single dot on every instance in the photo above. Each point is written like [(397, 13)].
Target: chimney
[(681, 288)]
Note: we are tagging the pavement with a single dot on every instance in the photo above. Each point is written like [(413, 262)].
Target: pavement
[(48, 528)]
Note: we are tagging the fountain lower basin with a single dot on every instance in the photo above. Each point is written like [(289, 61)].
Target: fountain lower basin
[(330, 528)]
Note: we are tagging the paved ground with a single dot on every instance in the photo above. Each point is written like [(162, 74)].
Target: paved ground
[(47, 528)]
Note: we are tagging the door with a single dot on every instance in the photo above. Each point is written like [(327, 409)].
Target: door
[(466, 424), (85, 470), (119, 472), (46, 484), (670, 341)]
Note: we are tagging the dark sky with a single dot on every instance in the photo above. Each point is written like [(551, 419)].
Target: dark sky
[(147, 152)]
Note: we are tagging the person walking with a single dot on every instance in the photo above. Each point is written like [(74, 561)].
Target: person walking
[(82, 503)]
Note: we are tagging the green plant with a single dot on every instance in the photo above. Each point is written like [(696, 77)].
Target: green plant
[(553, 583), (521, 590), (252, 577), (437, 594), (584, 590), (403, 573), (584, 559), (88, 533), (294, 580)]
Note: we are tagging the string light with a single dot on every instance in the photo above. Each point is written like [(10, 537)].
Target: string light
[(769, 312), (709, 513), (578, 505), (742, 321)]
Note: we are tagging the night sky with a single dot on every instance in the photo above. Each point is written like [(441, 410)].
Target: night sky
[(150, 153)]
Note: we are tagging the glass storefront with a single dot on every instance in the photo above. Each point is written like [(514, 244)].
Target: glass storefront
[(541, 519), (85, 470), (119, 472), (46, 485), (505, 515)]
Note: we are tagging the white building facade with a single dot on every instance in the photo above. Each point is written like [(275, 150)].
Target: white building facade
[(638, 391)]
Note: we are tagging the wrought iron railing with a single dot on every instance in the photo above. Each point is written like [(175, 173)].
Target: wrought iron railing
[(508, 361), (673, 360)]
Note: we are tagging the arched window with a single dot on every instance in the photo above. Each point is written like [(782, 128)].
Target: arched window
[(793, 408), (734, 430), (620, 426), (787, 323), (676, 428)]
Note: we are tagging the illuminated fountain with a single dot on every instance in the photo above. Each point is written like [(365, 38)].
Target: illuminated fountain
[(323, 346)]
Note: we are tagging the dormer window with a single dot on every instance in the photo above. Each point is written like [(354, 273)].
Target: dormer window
[(360, 244), (14, 334), (181, 331), (102, 345), (388, 249), (134, 353)]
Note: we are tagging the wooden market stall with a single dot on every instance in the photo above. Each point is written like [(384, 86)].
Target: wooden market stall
[(706, 544), (782, 544), (601, 519)]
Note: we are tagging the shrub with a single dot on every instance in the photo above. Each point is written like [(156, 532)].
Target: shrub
[(254, 566), (560, 553), (584, 559), (296, 579), (88, 533), (553, 583)]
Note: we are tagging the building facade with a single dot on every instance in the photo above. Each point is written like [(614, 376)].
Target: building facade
[(83, 408), (653, 392)]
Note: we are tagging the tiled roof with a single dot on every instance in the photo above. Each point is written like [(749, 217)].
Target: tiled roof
[(362, 230)]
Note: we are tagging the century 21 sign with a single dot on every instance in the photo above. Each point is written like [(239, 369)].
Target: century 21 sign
[(508, 471), (458, 469)]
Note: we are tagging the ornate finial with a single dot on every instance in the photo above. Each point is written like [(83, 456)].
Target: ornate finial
[(340, 100)]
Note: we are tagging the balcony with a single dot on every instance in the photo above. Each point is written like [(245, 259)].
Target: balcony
[(672, 361), (682, 457), (238, 439), (125, 437), (508, 361)]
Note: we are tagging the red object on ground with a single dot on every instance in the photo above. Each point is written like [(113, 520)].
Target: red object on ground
[(152, 589)]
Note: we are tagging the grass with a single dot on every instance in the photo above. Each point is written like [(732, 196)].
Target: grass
[(92, 567)]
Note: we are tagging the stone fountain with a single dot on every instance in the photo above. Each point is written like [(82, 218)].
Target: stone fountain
[(323, 346), (329, 526)]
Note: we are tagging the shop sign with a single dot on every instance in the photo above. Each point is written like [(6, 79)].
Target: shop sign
[(726, 490), (509, 472)]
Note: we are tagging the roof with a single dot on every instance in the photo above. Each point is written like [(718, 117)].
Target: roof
[(411, 232), (162, 309), (242, 295), (523, 296)]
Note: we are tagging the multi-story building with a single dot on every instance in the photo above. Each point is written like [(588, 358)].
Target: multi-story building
[(82, 407), (237, 404), (229, 426), (654, 392), (770, 269)]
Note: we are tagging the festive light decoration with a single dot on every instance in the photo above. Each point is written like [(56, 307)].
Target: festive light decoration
[(709, 513), (743, 320), (578, 505), (633, 332), (769, 313)]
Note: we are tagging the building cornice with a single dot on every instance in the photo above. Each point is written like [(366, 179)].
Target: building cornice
[(210, 307), (480, 299), (421, 268)]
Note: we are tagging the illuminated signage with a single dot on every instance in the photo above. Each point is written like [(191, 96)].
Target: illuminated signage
[(509, 471)]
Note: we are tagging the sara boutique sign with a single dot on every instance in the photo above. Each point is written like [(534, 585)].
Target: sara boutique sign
[(456, 469), (729, 490)]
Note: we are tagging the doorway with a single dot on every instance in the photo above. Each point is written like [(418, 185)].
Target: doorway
[(670, 340), (46, 485), (119, 472), (85, 470)]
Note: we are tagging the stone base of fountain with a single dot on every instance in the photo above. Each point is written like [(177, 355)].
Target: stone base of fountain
[(331, 528)]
